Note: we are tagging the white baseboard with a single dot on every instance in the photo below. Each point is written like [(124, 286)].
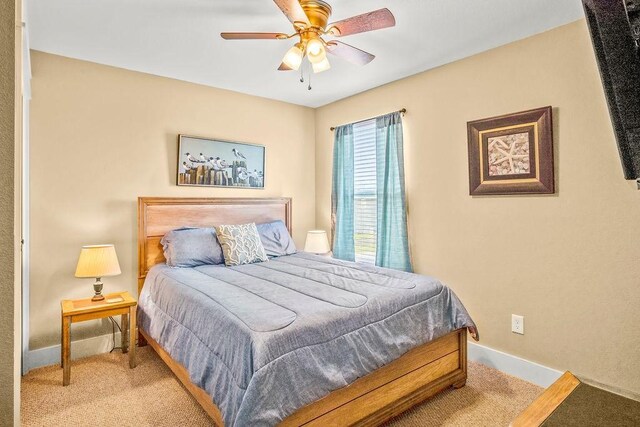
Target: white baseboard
[(512, 365), (81, 348)]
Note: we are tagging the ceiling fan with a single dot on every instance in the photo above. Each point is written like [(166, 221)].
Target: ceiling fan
[(310, 23)]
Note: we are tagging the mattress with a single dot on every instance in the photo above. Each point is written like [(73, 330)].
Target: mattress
[(266, 339)]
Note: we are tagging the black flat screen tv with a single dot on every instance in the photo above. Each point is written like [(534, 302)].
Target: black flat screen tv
[(615, 31)]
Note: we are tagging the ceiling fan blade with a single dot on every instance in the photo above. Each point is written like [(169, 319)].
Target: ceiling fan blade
[(376, 20), (293, 11), (253, 36), (350, 53), (284, 67)]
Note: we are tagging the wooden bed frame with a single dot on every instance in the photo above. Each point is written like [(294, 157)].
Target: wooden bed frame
[(370, 400)]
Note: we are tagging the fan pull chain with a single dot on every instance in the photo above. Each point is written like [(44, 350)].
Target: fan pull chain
[(302, 76)]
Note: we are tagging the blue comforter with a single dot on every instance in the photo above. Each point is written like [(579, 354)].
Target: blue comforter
[(267, 339)]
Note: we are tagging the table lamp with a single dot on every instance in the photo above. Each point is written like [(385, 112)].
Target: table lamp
[(317, 242), (98, 261)]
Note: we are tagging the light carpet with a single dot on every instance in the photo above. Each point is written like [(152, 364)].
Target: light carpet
[(105, 392)]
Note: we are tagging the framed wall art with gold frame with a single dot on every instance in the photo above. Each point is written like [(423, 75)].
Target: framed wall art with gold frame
[(512, 154)]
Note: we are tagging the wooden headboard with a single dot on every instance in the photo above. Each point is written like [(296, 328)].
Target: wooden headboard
[(158, 215)]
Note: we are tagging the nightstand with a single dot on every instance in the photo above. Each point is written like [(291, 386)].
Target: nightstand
[(73, 311)]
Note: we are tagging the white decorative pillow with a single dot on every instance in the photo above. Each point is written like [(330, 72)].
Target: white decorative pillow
[(241, 244)]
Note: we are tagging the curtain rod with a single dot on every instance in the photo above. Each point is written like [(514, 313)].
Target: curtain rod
[(403, 111)]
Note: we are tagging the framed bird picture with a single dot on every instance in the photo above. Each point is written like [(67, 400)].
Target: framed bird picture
[(208, 162)]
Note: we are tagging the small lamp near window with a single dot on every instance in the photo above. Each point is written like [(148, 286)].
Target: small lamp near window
[(317, 242), (98, 261)]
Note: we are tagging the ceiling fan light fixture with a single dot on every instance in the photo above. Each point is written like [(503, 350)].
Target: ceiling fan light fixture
[(316, 51), (314, 46), (311, 22), (293, 57), (316, 59), (321, 66)]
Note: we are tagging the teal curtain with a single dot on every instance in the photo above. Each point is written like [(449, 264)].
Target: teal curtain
[(342, 194), (392, 249)]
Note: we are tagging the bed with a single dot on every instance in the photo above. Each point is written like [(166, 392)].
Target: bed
[(300, 339)]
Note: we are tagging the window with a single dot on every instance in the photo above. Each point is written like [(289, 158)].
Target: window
[(368, 208), (365, 204)]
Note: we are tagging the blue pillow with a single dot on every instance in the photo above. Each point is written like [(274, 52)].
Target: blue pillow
[(276, 239), (190, 247)]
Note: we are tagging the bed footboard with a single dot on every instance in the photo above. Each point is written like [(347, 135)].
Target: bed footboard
[(392, 389), (372, 399)]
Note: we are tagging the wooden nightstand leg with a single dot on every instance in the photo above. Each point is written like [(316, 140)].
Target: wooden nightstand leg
[(124, 325), (66, 350), (132, 336)]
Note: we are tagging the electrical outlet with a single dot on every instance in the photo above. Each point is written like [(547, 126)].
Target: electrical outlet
[(517, 324)]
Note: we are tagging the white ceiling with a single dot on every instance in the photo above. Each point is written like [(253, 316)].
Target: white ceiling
[(180, 39)]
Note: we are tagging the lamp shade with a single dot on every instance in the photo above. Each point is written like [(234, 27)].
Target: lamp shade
[(321, 66), (293, 57), (317, 242), (315, 50), (316, 54), (98, 261)]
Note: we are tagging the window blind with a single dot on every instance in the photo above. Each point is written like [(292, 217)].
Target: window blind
[(365, 210)]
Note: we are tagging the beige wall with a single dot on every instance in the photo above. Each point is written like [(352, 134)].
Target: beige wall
[(570, 262), (9, 331), (102, 136)]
